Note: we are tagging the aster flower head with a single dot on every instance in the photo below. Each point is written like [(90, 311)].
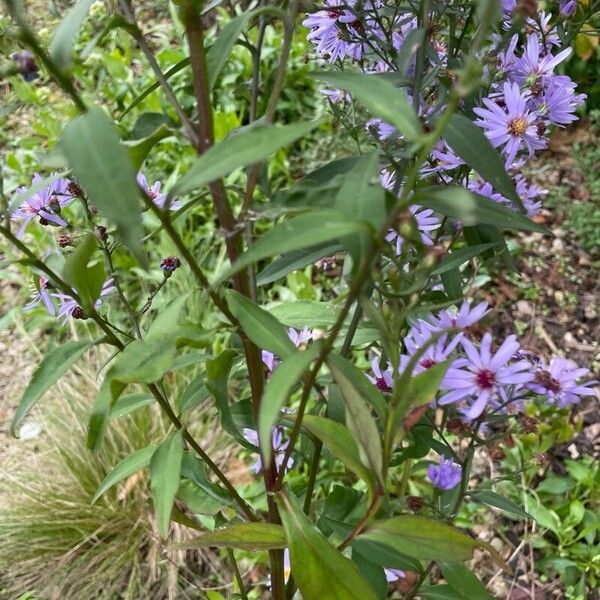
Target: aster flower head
[(427, 222), (531, 195), (559, 101), (567, 8), (511, 126), (279, 448), (383, 380), (442, 159), (462, 318), (298, 338), (69, 308), (154, 193), (535, 66), (46, 203), (380, 129), (483, 188), (41, 295), (559, 381), (478, 381), (446, 475)]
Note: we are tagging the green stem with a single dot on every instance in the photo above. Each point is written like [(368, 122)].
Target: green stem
[(238, 575)]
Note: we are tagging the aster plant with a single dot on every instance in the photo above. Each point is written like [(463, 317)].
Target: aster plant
[(440, 107)]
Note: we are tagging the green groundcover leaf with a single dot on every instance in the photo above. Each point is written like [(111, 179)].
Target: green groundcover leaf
[(54, 365), (320, 570), (246, 536)]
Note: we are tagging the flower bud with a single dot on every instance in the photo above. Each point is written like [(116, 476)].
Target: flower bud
[(169, 264), (101, 233), (415, 503), (79, 313), (64, 240)]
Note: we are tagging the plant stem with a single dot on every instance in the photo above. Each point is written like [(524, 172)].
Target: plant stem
[(238, 575)]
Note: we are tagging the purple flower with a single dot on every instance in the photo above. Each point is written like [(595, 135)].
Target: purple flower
[(483, 188), (531, 195), (46, 204), (559, 101), (559, 382), (279, 448), (462, 318), (380, 129), (535, 67), (383, 380), (511, 125), (567, 7), (298, 338), (153, 192), (442, 159), (69, 308), (426, 223), (484, 373), (27, 65), (445, 476), (41, 296), (392, 575)]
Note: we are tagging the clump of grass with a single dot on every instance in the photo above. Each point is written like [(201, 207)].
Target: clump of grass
[(55, 544)]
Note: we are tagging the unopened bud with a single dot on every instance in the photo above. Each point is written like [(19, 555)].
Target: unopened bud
[(496, 453), (101, 233), (169, 264), (415, 503), (64, 240), (79, 313), (74, 189)]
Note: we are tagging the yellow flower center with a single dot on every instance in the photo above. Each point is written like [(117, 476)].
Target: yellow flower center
[(518, 126)]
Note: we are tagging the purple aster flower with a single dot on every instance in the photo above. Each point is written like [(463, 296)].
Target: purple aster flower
[(543, 24), (298, 338), (392, 575), (279, 448), (27, 65), (483, 188), (69, 308), (480, 379), (567, 8), (335, 96), (559, 382), (508, 6), (462, 318), (383, 380), (426, 223), (45, 204), (531, 195), (153, 192), (511, 125), (41, 296), (535, 67), (442, 159), (380, 129), (559, 101), (446, 475)]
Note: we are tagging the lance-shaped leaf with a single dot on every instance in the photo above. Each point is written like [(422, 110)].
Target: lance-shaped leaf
[(303, 231), (246, 536), (165, 471), (473, 209), (464, 581), (380, 97), (139, 149), (458, 257), (61, 48), (130, 403), (54, 365), (131, 464), (101, 164), (319, 569), (358, 417), (496, 500), (425, 539), (198, 500), (279, 386), (259, 325), (240, 150), (340, 443), (470, 143)]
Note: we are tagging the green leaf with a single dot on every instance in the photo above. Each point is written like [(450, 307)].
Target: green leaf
[(193, 394), (320, 570), (165, 471), (219, 52), (340, 443), (380, 97), (473, 209), (101, 164), (193, 468), (144, 361), (240, 150), (130, 403), (198, 500), (260, 326), (131, 464), (373, 573), (493, 499), (458, 257), (85, 276), (358, 417), (303, 231), (279, 386), (424, 386), (114, 22), (139, 149), (54, 365), (422, 538), (441, 592), (464, 581), (61, 47), (469, 142), (246, 536), (293, 261)]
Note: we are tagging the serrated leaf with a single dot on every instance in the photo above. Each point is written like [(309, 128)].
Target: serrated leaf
[(473, 209), (319, 569), (240, 150), (100, 162), (246, 536), (259, 325), (54, 365), (61, 47), (279, 386), (303, 231), (165, 471), (470, 143), (131, 464), (380, 97)]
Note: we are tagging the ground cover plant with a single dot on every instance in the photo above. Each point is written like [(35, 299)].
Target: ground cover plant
[(320, 311)]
